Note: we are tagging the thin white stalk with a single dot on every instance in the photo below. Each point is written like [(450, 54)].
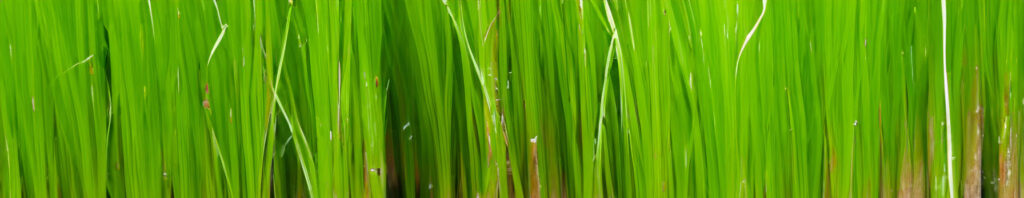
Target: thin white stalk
[(608, 11), (949, 124), (617, 45), (152, 25), (764, 7), (78, 63), (218, 13), (316, 6), (223, 29), (604, 93), (284, 47), (491, 25)]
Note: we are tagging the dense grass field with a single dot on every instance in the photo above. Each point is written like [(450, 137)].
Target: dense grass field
[(511, 98)]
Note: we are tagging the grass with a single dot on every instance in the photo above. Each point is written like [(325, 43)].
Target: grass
[(510, 98)]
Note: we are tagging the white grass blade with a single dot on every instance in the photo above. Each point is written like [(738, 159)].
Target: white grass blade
[(764, 5), (949, 124), (223, 29)]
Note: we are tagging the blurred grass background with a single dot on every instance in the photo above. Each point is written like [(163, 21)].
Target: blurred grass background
[(511, 98)]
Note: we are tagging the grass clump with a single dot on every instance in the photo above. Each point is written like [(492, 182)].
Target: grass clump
[(510, 98)]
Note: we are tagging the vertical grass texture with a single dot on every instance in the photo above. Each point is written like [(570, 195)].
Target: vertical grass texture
[(510, 98)]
